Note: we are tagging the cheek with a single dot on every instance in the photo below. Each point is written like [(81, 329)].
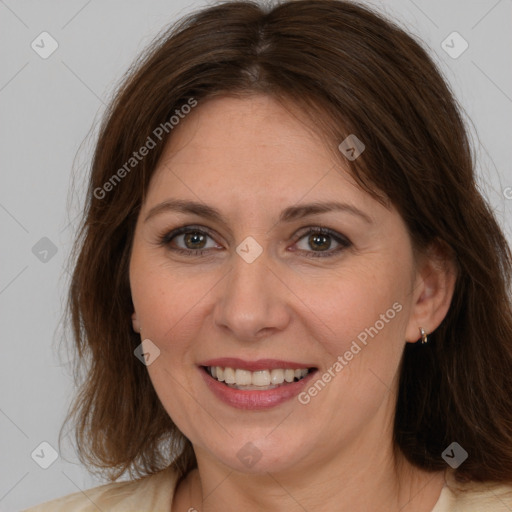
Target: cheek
[(357, 305), (163, 295), (362, 331), (359, 321), (169, 308), (335, 310)]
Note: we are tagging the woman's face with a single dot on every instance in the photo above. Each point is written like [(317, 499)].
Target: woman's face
[(266, 291)]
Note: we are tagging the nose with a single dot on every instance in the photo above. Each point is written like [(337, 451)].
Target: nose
[(252, 301)]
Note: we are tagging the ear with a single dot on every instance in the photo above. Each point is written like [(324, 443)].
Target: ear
[(435, 279), (135, 322)]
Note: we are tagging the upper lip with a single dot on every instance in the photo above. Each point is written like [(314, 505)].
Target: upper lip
[(260, 364)]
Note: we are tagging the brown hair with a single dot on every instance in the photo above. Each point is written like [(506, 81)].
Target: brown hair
[(350, 71)]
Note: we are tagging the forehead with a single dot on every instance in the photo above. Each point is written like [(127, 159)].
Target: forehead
[(251, 146), (254, 128)]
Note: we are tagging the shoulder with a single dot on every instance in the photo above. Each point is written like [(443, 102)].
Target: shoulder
[(151, 493), (474, 497)]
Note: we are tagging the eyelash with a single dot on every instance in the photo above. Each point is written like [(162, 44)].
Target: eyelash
[(165, 240)]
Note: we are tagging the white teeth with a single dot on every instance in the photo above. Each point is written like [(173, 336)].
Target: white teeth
[(229, 376), (262, 378), (243, 377), (277, 376), (289, 375)]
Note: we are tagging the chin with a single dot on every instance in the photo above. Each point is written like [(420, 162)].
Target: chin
[(264, 455)]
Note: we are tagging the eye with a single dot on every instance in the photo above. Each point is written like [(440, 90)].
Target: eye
[(196, 241), (189, 240), (319, 242)]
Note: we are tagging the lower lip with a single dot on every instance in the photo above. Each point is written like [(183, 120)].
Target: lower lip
[(255, 400)]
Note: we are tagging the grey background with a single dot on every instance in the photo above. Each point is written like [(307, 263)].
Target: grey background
[(49, 106)]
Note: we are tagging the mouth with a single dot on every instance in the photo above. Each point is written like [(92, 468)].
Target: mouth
[(259, 380), (255, 385)]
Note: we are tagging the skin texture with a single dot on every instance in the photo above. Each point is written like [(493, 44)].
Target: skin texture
[(250, 158)]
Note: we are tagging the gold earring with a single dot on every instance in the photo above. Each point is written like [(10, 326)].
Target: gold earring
[(424, 337)]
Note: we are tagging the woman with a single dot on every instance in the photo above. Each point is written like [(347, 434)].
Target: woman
[(291, 292)]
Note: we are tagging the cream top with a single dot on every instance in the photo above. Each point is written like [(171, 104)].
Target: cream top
[(155, 493)]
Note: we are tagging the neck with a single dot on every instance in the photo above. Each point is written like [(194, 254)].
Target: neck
[(358, 472), (375, 483)]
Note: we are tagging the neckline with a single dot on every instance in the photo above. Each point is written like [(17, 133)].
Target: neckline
[(443, 495)]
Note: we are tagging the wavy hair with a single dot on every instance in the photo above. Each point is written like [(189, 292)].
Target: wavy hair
[(349, 70)]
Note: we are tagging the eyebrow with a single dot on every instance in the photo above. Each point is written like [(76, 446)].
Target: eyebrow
[(287, 215)]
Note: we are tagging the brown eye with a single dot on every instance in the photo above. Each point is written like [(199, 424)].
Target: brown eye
[(189, 240), (194, 240), (319, 242)]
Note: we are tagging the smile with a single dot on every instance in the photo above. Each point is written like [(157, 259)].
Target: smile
[(258, 380), (255, 385)]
